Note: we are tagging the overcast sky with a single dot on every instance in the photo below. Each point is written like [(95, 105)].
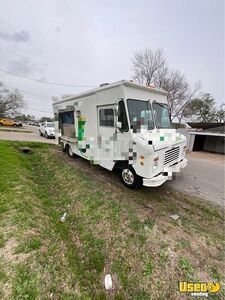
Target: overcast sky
[(91, 42)]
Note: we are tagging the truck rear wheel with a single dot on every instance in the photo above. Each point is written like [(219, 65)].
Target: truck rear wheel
[(130, 179)]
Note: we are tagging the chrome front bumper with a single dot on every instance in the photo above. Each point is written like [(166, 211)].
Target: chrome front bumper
[(160, 179)]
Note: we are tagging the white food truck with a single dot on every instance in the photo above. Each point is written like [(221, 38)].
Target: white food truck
[(125, 126)]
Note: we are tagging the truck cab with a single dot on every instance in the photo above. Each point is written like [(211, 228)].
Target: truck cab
[(157, 150)]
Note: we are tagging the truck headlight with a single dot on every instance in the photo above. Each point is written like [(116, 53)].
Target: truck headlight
[(156, 163), (184, 150)]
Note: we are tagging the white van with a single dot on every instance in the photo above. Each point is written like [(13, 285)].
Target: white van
[(125, 126)]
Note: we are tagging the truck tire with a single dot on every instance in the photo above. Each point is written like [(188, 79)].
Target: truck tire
[(62, 147), (130, 179), (40, 133), (70, 151)]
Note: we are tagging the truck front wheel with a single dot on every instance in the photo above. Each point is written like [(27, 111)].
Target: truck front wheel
[(130, 179)]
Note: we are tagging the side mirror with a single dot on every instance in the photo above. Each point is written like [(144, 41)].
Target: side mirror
[(118, 125)]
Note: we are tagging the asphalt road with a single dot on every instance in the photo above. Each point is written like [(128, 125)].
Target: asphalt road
[(203, 177), (32, 136)]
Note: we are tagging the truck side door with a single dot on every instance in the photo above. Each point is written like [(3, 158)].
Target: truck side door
[(106, 136)]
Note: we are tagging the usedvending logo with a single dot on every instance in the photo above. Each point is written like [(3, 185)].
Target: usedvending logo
[(199, 289)]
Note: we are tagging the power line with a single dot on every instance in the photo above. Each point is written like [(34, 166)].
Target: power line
[(46, 82), (38, 110)]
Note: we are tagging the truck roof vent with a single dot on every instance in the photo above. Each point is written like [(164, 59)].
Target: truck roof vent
[(103, 84)]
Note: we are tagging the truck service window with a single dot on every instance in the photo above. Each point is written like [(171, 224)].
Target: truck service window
[(161, 114), (140, 114), (106, 117), (123, 116), (67, 117), (66, 121)]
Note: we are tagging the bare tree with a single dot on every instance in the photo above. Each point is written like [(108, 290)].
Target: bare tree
[(177, 90), (150, 67), (147, 63), (10, 101), (181, 109)]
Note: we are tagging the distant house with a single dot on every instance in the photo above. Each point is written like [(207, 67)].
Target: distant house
[(208, 137)]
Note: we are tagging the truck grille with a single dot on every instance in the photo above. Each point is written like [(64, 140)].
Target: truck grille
[(171, 155)]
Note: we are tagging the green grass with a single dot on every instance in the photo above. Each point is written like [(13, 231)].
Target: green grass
[(25, 283), (163, 256), (3, 276), (148, 268), (215, 274), (186, 266), (149, 222), (2, 240), (114, 230), (183, 244), (28, 245)]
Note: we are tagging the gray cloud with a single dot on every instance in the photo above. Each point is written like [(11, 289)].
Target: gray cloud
[(21, 36), (21, 66), (57, 29), (42, 78)]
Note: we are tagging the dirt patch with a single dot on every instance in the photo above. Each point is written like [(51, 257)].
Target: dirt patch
[(8, 253)]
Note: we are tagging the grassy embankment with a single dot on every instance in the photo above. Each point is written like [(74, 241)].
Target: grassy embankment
[(108, 229), (9, 129)]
